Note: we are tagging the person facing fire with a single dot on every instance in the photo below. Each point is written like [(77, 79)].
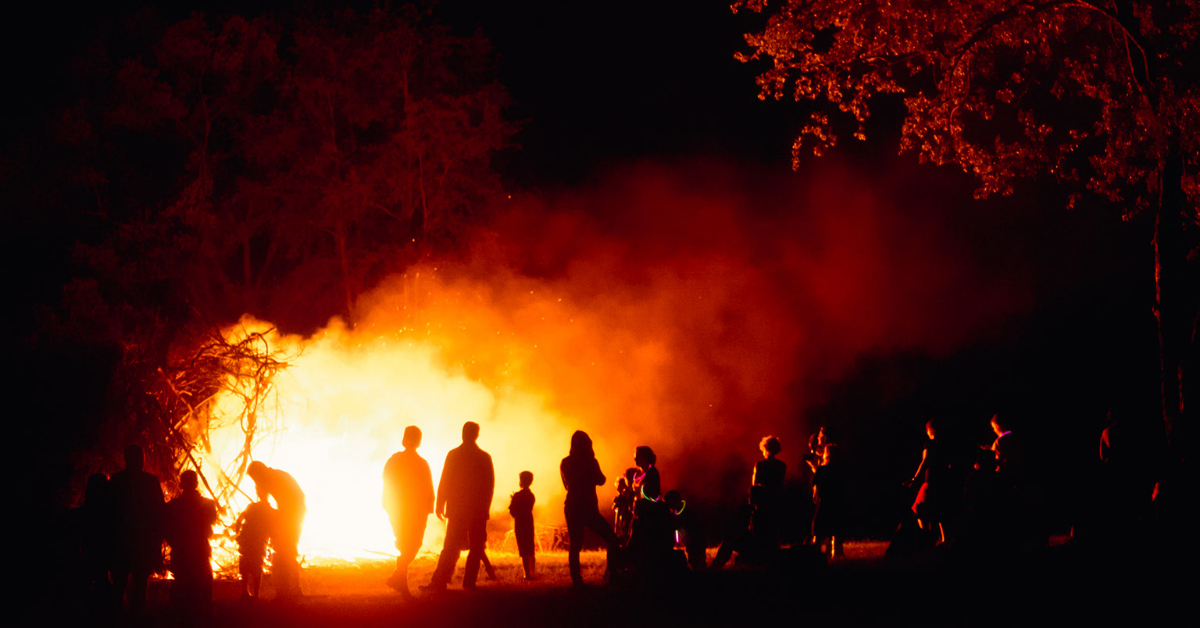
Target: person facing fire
[(289, 521), (464, 496), (408, 499), (189, 521), (830, 496), (253, 528), (581, 475), (766, 493), (520, 506), (651, 537), (137, 509), (932, 475)]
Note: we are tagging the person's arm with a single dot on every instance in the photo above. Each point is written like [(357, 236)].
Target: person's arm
[(439, 508), (599, 475), (491, 483), (924, 454), (427, 494)]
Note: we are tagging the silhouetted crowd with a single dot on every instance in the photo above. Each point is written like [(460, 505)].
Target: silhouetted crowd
[(974, 496)]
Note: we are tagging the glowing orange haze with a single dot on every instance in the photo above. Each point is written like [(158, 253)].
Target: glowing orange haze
[(657, 309)]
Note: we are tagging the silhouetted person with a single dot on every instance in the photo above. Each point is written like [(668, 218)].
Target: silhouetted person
[(829, 495), (689, 529), (289, 521), (580, 476), (464, 496), (520, 506), (253, 529), (93, 521), (1006, 449), (652, 538), (623, 506), (646, 484), (935, 485), (766, 494), (189, 521), (137, 509), (816, 446), (408, 499)]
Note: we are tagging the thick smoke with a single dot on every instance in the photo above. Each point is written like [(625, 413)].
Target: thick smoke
[(690, 308)]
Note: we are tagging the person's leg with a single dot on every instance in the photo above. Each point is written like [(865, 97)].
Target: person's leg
[(575, 539), (477, 541), (448, 559), (409, 543)]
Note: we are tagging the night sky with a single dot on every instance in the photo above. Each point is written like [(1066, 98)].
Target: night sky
[(599, 88)]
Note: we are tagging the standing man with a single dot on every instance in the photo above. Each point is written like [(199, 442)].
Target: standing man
[(408, 500), (285, 538), (189, 521), (137, 510), (465, 496)]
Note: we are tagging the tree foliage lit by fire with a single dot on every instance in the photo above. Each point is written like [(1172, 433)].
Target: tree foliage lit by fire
[(1101, 96)]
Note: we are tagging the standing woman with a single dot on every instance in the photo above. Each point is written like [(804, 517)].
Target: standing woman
[(929, 506), (581, 475)]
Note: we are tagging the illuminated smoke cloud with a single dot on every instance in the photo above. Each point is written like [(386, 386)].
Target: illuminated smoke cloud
[(693, 309)]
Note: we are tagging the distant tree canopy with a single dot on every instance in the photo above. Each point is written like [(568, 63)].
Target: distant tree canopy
[(1102, 96), (280, 168), (216, 166)]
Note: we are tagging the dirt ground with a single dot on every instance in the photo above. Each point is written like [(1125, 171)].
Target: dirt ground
[(1049, 586)]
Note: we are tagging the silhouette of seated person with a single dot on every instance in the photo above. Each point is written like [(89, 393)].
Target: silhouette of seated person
[(137, 511), (253, 528), (189, 521), (289, 522), (689, 529), (408, 498), (464, 497), (581, 475)]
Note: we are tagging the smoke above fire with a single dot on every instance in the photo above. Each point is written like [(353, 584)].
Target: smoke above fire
[(692, 309)]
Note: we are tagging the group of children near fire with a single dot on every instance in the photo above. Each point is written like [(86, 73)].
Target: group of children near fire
[(125, 520)]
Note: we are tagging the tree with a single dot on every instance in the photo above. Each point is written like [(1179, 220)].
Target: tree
[(268, 163), (1102, 96)]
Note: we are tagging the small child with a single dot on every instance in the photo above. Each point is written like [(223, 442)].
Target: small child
[(623, 506), (254, 528), (521, 509)]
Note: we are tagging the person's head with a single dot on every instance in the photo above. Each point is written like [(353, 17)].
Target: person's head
[(135, 457), (674, 501), (257, 471), (581, 445), (931, 430), (999, 424), (622, 484), (828, 435), (630, 474), (189, 481), (412, 437), (830, 453), (770, 446), (525, 478), (644, 457), (470, 432)]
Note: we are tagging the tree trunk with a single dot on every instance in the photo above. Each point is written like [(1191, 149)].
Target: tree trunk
[(1175, 304)]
